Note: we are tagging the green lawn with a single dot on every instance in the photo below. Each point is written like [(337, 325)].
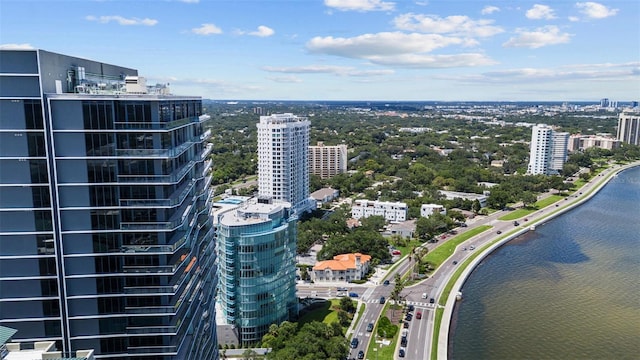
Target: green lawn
[(436, 331), (578, 184), (359, 315), (517, 214), (410, 245), (440, 254), (385, 352), (324, 314), (548, 201)]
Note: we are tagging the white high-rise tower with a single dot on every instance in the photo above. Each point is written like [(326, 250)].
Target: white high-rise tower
[(548, 151), (283, 159)]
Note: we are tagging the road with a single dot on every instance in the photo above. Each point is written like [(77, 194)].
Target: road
[(419, 332)]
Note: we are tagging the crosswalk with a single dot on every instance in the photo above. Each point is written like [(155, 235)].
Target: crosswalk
[(414, 303)]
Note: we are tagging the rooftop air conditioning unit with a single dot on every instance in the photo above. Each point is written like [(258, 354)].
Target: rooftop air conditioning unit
[(135, 84)]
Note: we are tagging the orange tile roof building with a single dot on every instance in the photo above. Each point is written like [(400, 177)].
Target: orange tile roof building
[(343, 267)]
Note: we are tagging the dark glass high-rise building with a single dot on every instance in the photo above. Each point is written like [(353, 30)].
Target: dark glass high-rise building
[(105, 231)]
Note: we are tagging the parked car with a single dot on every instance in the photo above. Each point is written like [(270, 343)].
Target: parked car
[(410, 308), (403, 341), (418, 315), (401, 353), (405, 325)]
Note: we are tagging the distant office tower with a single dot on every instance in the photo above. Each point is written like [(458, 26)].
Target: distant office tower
[(256, 242), (283, 170), (629, 127), (327, 161), (604, 103), (548, 151), (105, 233)]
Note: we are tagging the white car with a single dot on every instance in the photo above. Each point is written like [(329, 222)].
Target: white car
[(424, 295)]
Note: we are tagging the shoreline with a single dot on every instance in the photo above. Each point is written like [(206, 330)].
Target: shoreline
[(443, 335)]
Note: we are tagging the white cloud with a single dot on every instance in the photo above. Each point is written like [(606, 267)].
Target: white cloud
[(16, 47), (569, 72), (285, 79), (207, 29), (360, 5), (419, 61), (190, 1), (574, 18), (263, 31), (538, 12), (594, 10), (122, 20), (487, 10), (544, 36), (456, 24), (384, 43), (328, 69), (399, 49)]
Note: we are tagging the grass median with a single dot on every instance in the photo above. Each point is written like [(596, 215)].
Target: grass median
[(517, 214), (440, 254)]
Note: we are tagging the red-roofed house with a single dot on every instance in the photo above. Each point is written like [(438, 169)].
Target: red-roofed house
[(343, 267)]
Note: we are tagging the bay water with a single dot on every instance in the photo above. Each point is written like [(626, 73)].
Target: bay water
[(568, 290)]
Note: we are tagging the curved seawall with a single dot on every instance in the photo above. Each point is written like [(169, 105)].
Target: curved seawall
[(589, 191)]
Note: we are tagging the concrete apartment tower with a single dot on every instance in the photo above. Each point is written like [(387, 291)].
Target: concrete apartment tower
[(548, 151), (283, 160), (105, 231), (327, 161), (629, 127)]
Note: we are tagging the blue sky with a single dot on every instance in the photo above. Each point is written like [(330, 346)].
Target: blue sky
[(350, 49)]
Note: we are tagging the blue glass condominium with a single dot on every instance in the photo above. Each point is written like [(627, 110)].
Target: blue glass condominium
[(105, 231), (257, 251)]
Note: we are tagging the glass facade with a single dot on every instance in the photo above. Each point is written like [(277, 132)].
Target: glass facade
[(256, 251), (113, 191)]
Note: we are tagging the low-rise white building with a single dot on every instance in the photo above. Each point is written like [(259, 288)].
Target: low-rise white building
[(391, 211), (343, 267), (427, 210), (450, 195), (325, 195)]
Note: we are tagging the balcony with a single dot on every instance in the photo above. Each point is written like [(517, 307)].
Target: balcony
[(160, 153), (206, 151), (159, 350), (162, 269), (206, 167), (169, 290), (161, 225), (205, 135), (150, 310), (175, 177)]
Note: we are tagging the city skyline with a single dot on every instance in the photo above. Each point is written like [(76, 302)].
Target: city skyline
[(351, 50)]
